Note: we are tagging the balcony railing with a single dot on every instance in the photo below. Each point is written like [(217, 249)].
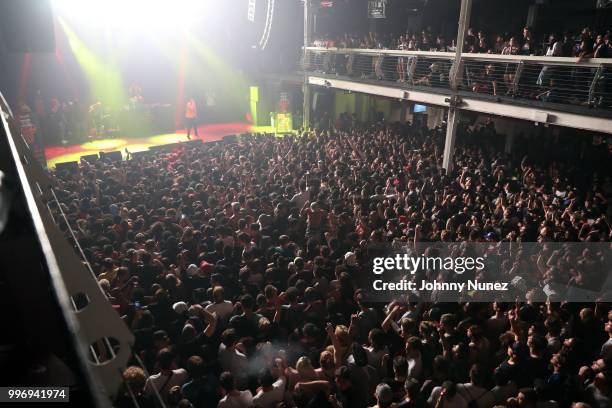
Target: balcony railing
[(549, 80)]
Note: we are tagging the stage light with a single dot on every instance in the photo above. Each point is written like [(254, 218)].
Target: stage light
[(133, 14), (104, 76)]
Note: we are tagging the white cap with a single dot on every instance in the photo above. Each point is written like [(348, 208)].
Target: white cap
[(350, 258), (180, 307), (193, 270)]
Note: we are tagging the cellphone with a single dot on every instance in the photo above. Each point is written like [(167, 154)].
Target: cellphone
[(136, 305)]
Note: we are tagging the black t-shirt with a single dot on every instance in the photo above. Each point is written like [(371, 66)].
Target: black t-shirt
[(163, 313), (245, 326), (143, 339), (539, 367), (203, 392), (518, 373), (292, 315), (351, 398), (603, 51), (144, 401), (147, 274), (418, 403), (303, 275)]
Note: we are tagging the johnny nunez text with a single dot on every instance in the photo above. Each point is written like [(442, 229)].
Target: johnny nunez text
[(404, 285)]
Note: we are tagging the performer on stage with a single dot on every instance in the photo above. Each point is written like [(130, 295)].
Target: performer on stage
[(191, 117), (96, 117)]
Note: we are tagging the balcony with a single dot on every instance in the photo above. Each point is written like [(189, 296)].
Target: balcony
[(559, 89)]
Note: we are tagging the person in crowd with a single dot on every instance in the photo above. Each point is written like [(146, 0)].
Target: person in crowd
[(528, 44), (133, 389), (233, 397), (168, 376)]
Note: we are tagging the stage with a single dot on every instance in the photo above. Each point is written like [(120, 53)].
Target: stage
[(207, 133)]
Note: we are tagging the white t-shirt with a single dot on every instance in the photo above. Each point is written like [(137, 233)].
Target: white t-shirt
[(223, 309), (555, 51), (271, 398), (232, 360), (483, 397), (456, 402), (375, 357), (502, 392), (415, 367), (300, 198), (243, 400), (606, 349), (179, 377)]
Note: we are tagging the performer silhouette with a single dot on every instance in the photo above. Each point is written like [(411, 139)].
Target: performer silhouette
[(191, 118)]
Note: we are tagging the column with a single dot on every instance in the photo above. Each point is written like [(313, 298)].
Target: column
[(453, 112), (403, 110), (449, 142), (306, 107), (509, 143), (306, 87), (532, 14)]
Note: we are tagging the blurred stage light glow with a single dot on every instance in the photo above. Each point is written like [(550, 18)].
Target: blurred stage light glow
[(134, 14), (103, 76)]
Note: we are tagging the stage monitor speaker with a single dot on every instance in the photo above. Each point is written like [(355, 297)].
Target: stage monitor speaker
[(112, 156), (90, 158), (27, 25), (142, 153), (230, 139), (165, 148), (172, 146), (194, 143), (70, 167)]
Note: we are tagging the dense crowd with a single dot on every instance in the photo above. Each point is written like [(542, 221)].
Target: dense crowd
[(238, 268), (566, 85), (585, 44)]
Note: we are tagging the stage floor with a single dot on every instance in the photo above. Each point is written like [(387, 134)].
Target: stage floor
[(208, 133)]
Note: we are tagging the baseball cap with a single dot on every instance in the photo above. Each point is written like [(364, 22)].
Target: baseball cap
[(180, 307), (193, 270), (350, 258), (384, 393)]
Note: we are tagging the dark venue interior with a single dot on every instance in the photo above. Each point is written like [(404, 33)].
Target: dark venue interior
[(306, 203)]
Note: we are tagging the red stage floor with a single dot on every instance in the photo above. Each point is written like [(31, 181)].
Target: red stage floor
[(208, 133)]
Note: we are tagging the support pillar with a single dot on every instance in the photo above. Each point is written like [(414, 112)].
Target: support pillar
[(306, 87), (464, 23), (453, 112), (306, 107), (403, 110), (449, 142), (509, 143), (532, 15), (359, 98)]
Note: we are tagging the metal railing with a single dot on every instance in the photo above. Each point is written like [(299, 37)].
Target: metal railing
[(557, 80), (98, 358)]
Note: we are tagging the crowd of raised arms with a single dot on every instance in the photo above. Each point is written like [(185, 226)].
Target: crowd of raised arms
[(238, 268), (583, 44)]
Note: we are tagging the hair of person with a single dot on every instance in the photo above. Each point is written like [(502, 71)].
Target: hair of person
[(226, 381)]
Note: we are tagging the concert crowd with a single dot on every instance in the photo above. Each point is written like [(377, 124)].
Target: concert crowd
[(585, 43), (239, 265)]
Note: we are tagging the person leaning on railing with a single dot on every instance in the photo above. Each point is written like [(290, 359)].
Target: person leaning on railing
[(486, 81), (510, 69)]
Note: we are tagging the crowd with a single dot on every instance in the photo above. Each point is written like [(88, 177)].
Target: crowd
[(567, 85), (238, 268), (585, 44)]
